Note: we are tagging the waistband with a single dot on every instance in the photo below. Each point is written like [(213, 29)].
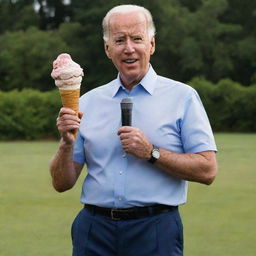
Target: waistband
[(130, 213)]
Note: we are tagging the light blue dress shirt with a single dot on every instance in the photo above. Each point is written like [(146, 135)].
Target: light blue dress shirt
[(171, 116)]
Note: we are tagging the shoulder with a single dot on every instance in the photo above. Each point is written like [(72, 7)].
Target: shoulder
[(175, 87), (106, 88), (96, 93)]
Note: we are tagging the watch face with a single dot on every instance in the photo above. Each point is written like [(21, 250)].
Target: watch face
[(156, 153)]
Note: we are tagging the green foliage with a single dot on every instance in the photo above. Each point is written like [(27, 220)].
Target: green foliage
[(16, 15), (195, 43), (28, 114), (213, 39), (230, 106), (52, 13), (26, 58)]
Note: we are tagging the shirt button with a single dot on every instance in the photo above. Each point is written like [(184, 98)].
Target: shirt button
[(120, 198), (121, 172), (124, 155)]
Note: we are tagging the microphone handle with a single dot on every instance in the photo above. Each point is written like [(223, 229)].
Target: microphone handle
[(126, 117)]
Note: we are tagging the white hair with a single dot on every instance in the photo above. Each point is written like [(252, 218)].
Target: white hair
[(124, 9)]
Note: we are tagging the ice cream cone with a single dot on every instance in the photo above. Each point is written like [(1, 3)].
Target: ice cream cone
[(70, 99), (68, 77)]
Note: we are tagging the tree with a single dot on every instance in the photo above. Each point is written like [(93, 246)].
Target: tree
[(243, 13), (213, 39), (15, 15), (196, 43), (26, 59), (52, 13)]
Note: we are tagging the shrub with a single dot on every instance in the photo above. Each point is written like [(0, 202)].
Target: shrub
[(28, 114), (230, 106), (31, 114)]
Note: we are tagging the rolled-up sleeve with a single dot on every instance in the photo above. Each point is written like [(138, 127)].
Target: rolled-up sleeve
[(78, 151), (196, 132)]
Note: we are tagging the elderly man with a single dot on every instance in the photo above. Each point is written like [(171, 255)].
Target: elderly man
[(137, 175)]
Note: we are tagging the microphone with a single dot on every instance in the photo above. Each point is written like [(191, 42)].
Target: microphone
[(126, 108)]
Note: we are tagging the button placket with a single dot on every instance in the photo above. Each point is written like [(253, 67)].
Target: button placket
[(120, 180)]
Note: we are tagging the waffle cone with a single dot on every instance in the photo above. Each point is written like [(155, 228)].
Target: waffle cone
[(70, 99)]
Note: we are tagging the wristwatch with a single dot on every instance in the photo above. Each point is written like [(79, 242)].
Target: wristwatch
[(155, 154)]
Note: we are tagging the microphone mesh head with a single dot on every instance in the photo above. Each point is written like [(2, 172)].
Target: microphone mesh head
[(126, 103), (126, 100)]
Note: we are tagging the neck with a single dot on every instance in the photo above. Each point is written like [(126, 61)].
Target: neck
[(130, 83)]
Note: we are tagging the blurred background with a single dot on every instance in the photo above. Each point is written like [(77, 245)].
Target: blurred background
[(208, 44)]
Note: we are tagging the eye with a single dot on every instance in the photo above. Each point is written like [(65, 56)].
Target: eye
[(137, 39), (119, 41)]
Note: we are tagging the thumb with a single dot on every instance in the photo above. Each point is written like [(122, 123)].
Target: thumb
[(80, 114)]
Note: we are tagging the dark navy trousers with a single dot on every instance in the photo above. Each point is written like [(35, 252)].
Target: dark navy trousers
[(97, 235)]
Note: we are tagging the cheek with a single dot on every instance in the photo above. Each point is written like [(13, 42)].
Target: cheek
[(115, 54), (146, 56)]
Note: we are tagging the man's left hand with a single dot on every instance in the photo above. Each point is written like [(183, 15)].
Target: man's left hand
[(135, 142)]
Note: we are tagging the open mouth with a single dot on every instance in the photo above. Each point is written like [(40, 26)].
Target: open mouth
[(130, 61)]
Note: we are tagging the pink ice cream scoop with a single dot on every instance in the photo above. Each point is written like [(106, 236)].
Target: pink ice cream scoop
[(66, 73)]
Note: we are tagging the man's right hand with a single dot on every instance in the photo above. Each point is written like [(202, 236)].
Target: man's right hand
[(66, 122)]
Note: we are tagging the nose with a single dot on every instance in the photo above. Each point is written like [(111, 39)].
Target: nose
[(129, 47)]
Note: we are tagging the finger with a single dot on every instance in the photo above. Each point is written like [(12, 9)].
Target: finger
[(68, 117), (129, 148), (67, 128), (67, 122), (62, 124), (125, 129), (124, 136), (126, 147), (64, 111), (125, 142)]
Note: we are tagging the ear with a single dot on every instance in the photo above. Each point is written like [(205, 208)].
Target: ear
[(153, 46), (107, 51)]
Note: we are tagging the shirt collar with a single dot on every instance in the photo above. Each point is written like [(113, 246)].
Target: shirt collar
[(147, 82)]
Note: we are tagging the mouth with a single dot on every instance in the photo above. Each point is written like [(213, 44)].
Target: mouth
[(130, 61)]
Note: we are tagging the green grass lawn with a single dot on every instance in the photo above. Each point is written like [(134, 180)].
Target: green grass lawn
[(220, 219), (35, 220)]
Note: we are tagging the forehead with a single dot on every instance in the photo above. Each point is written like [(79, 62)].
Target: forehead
[(134, 22)]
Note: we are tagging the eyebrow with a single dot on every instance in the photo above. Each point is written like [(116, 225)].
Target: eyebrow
[(124, 35)]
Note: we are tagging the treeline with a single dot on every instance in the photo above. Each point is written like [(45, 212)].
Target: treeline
[(211, 39), (30, 114), (214, 39)]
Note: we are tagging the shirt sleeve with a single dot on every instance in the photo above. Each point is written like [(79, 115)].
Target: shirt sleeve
[(196, 132), (78, 151)]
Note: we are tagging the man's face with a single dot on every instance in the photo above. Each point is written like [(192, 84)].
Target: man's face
[(129, 46)]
